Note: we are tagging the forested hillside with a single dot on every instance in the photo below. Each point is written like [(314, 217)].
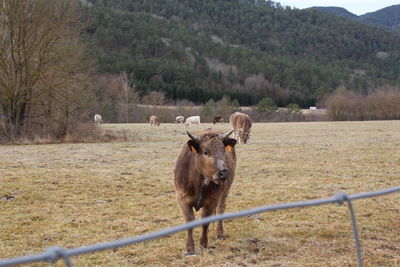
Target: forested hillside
[(337, 11), (246, 49), (388, 17)]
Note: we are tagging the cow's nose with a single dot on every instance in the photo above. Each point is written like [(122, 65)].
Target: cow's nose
[(223, 174)]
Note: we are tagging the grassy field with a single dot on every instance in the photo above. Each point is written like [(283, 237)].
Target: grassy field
[(79, 194)]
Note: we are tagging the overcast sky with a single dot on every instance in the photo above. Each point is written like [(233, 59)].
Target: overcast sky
[(358, 7)]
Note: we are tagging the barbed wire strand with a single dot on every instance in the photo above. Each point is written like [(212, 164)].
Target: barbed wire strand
[(54, 253)]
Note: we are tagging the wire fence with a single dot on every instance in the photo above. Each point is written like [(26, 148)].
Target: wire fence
[(53, 254)]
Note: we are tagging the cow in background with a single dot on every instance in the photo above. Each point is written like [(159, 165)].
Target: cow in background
[(204, 172), (192, 120), (97, 119), (241, 124), (154, 120), (180, 119), (219, 119)]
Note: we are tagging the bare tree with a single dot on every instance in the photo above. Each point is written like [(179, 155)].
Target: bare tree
[(129, 93), (40, 61), (154, 98)]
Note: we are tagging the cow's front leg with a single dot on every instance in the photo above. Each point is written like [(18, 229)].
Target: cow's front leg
[(188, 214), (221, 209), (239, 138), (207, 211)]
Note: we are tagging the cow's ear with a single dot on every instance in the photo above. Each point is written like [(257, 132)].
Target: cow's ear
[(229, 143), (193, 145)]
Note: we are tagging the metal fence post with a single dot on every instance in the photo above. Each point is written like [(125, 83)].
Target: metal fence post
[(341, 198), (56, 253)]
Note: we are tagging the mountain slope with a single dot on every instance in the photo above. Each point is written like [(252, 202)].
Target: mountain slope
[(337, 11), (202, 49), (388, 17)]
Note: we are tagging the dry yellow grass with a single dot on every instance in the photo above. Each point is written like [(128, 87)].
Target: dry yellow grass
[(79, 194)]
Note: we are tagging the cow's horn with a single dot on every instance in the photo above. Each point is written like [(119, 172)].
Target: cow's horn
[(225, 135), (193, 137)]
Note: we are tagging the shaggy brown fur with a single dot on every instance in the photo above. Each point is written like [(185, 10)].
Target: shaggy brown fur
[(204, 172)]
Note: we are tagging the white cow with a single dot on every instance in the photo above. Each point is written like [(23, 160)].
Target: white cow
[(97, 119), (192, 120), (180, 119)]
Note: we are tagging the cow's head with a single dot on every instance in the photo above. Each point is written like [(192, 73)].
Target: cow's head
[(244, 136), (210, 150)]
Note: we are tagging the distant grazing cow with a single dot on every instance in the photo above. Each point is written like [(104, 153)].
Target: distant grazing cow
[(192, 120), (154, 120), (241, 124), (204, 172), (180, 119), (218, 119), (97, 119)]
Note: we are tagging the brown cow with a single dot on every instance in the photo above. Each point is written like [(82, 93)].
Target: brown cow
[(204, 172), (218, 119), (154, 120), (241, 124)]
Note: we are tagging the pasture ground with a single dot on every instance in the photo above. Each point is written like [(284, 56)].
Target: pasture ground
[(79, 194)]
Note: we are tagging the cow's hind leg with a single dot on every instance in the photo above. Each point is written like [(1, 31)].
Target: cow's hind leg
[(207, 211), (189, 216)]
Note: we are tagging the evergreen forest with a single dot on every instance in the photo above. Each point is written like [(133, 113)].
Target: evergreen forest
[(245, 49)]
